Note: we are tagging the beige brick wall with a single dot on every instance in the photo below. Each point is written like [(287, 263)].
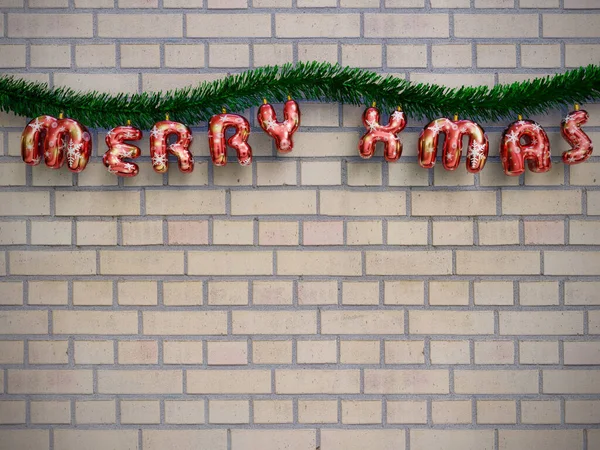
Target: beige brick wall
[(313, 299)]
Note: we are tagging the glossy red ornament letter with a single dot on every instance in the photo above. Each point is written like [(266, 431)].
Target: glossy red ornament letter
[(118, 150), (280, 131), (536, 148), (581, 144), (239, 141), (454, 130), (57, 140), (382, 133), (159, 136)]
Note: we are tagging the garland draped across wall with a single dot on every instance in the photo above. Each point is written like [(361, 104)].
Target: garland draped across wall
[(67, 140)]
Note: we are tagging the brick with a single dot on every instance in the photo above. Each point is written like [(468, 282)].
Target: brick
[(186, 412), (361, 293), (447, 412), (581, 55), (138, 3), (544, 232), (407, 233), (408, 262), (44, 176), (317, 381), (348, 203), (13, 232), (12, 56), (140, 55), (406, 381), (538, 352), (93, 293), (228, 55), (52, 412), (496, 25), (454, 80), (594, 322), (540, 56), (582, 353), (364, 233), (362, 322), (11, 352), (501, 412), (95, 439), (449, 352), (49, 381), (452, 439), (541, 202), (137, 293), (227, 293), (11, 293), (317, 411), (582, 411), (359, 352), (142, 233), (141, 262), (48, 352), (404, 352), (13, 174), (24, 439), (403, 292), (231, 263), (451, 55), (228, 25), (227, 353), (491, 56), (138, 352), (310, 144), (272, 352), (184, 202), (359, 3), (274, 322), (276, 173), (317, 25), (24, 322), (140, 412), (92, 412), (406, 412), (584, 232), (593, 204), (321, 173), (185, 439), (110, 83), (273, 202), (94, 352), (137, 25), (448, 293), (96, 232), (538, 440), (229, 232), (315, 3), (85, 203), (25, 25), (494, 352), (572, 25), (184, 56), (316, 52), (228, 382), (140, 382), (24, 204), (260, 439), (51, 233), (571, 263), (318, 263), (272, 54), (496, 381), (407, 56), (95, 322), (184, 322), (316, 352), (12, 412), (277, 233), (493, 293), (498, 232), (273, 411), (361, 55), (582, 293), (541, 322), (323, 233), (538, 293), (182, 352), (188, 232), (272, 293), (100, 55), (317, 293), (453, 203), (228, 411), (361, 412), (540, 412), (406, 25), (497, 263), (451, 322)]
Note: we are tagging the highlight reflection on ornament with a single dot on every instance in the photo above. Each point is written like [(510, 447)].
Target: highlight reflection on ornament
[(239, 141), (280, 131), (525, 140), (118, 150), (159, 147), (382, 133), (581, 144)]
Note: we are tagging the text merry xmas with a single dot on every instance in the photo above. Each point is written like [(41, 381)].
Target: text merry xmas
[(66, 140)]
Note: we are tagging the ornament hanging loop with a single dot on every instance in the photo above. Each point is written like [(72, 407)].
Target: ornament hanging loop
[(224, 111), (167, 116), (61, 115), (128, 122), (520, 117), (576, 106), (374, 104), (264, 101), (456, 117)]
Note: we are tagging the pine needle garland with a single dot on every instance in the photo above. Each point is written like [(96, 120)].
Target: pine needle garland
[(312, 81)]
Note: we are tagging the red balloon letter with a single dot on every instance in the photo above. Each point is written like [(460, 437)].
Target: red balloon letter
[(239, 141), (117, 150), (382, 133), (280, 131), (158, 146), (454, 131), (536, 150), (581, 144), (57, 140)]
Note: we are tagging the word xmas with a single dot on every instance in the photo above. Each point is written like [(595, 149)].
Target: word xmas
[(63, 139)]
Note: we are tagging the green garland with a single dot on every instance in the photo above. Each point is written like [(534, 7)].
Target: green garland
[(303, 81)]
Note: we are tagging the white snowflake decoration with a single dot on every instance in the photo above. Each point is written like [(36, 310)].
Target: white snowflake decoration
[(159, 160), (477, 153), (435, 128), (36, 125), (398, 115), (73, 151), (513, 137), (568, 118), (372, 124), (128, 166), (536, 127), (111, 170), (156, 133), (571, 159), (270, 124), (521, 122), (126, 153)]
